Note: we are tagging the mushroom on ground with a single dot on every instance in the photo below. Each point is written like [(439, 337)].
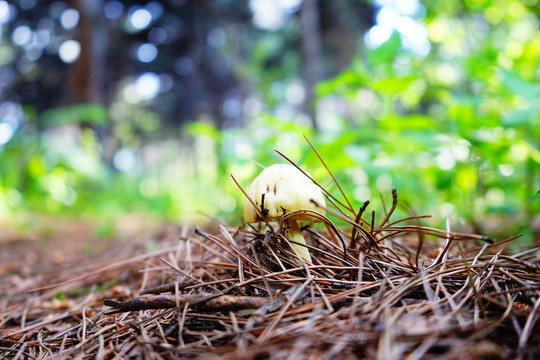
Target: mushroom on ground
[(279, 189)]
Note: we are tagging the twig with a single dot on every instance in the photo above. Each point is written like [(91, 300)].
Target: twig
[(207, 303)]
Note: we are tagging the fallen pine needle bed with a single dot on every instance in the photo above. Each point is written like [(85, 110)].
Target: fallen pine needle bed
[(233, 295), (370, 292)]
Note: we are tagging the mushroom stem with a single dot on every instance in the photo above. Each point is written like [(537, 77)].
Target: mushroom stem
[(295, 234)]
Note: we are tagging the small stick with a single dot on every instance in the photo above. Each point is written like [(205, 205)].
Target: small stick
[(354, 233), (208, 303), (330, 172), (394, 204), (331, 197)]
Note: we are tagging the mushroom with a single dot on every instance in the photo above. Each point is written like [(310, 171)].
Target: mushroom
[(279, 189)]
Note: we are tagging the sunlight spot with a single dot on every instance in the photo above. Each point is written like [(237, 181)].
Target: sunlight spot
[(148, 85), (232, 107), (525, 29), (27, 4), (13, 197), (519, 152), (272, 15), (358, 176), (362, 193), (227, 203), (166, 83), (124, 159), (506, 169), (447, 209), (494, 14), (69, 19), (447, 74), (140, 19), (5, 12), (495, 197), (366, 99), (445, 160), (295, 93), (41, 38), (461, 151), (6, 132), (424, 160), (155, 9), (147, 53), (277, 89), (397, 15), (59, 191), (157, 35), (11, 113), (388, 16), (413, 35), (514, 49), (382, 159), (438, 30), (383, 182), (408, 7), (284, 111), (130, 94), (252, 106), (378, 35), (22, 35), (242, 147), (113, 9), (69, 51)]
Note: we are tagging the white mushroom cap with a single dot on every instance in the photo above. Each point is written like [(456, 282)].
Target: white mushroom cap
[(285, 188)]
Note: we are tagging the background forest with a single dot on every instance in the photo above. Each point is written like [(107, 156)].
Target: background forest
[(115, 107)]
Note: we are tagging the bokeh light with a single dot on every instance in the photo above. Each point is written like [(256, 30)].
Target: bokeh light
[(69, 19), (140, 19), (113, 9), (69, 51), (148, 86), (147, 52), (398, 16)]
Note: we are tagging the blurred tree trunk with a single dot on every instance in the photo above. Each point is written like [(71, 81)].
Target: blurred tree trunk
[(87, 77), (311, 49), (88, 72)]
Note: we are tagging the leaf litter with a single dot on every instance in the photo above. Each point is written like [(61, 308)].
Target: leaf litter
[(371, 292)]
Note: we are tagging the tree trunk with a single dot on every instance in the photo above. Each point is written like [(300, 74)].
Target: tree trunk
[(88, 72)]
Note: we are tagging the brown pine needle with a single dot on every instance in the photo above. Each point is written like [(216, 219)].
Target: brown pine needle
[(373, 292)]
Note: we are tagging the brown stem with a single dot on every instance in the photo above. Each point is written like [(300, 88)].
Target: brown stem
[(207, 303)]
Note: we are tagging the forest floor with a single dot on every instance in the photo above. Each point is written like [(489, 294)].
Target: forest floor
[(144, 289)]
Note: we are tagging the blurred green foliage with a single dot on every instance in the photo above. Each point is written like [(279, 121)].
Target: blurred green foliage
[(455, 131)]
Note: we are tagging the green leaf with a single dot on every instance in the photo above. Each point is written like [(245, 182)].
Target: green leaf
[(199, 128), (520, 86), (386, 52), (467, 178), (534, 197), (393, 85), (528, 115), (75, 114), (409, 122), (348, 80)]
